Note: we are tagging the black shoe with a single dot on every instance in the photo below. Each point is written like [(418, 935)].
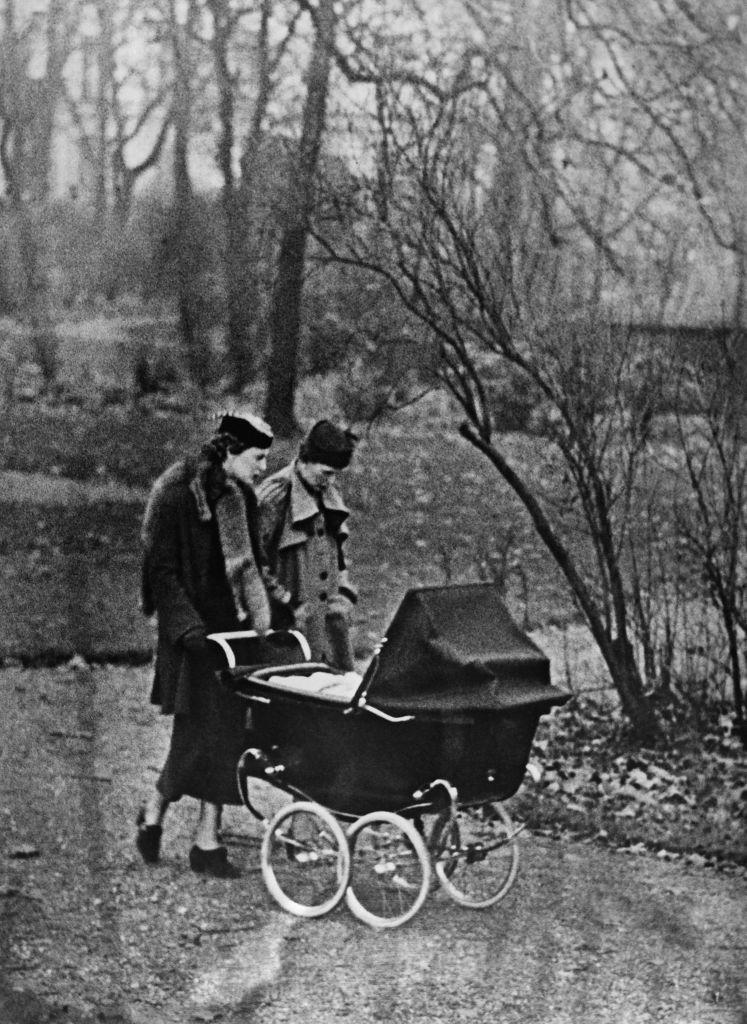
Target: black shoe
[(148, 839), (212, 862)]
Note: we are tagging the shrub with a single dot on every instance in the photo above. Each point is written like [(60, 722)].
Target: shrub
[(514, 399), (11, 272), (45, 352), (155, 370), (143, 375), (327, 345)]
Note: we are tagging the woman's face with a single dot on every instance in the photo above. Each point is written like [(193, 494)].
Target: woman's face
[(317, 475), (247, 467)]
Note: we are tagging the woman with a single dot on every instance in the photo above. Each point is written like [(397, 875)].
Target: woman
[(304, 531), (203, 573)]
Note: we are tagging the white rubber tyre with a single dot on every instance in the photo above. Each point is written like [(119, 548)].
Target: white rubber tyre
[(390, 870), (476, 854), (305, 859)]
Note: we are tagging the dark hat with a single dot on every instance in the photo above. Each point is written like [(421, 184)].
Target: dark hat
[(247, 429), (328, 444)]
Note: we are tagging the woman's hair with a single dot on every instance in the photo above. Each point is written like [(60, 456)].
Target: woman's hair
[(210, 465), (220, 445)]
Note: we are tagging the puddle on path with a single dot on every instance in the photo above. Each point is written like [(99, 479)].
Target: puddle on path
[(250, 964)]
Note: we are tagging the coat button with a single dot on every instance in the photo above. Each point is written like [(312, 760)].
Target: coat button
[(320, 531), (322, 595), (323, 574)]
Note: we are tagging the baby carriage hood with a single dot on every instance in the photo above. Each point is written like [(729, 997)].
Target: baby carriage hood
[(458, 649)]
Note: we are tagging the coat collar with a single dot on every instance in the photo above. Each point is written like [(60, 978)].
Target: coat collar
[(207, 482), (305, 505)]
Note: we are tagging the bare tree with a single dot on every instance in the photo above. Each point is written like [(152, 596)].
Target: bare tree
[(185, 244), (18, 109), (28, 100), (285, 316), (531, 181), (713, 523), (676, 70), (118, 101), (243, 250), (471, 248), (28, 105)]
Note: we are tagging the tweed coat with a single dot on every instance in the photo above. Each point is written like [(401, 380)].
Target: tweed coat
[(304, 538)]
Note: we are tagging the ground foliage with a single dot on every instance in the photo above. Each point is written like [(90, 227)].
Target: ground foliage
[(130, 443), (686, 799), (71, 582)]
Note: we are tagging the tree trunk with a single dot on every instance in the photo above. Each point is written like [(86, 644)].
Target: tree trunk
[(241, 298), (234, 199), (286, 322), (57, 47), (21, 102), (736, 676), (183, 248), (619, 657), (285, 315), (617, 652), (12, 143), (105, 78)]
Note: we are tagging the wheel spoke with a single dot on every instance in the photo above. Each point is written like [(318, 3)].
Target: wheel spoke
[(390, 870), (305, 859), (475, 854)]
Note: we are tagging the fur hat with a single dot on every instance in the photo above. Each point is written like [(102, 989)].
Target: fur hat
[(328, 444), (247, 429)]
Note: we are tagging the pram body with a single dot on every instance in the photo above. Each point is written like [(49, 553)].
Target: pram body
[(442, 718)]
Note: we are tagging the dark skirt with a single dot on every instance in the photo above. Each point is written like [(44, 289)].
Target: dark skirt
[(205, 746)]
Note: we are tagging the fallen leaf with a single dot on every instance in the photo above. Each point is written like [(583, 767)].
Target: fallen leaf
[(641, 779), (696, 859), (629, 811), (23, 852)]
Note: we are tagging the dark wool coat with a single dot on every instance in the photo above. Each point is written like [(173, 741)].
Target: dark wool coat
[(185, 584), (184, 579)]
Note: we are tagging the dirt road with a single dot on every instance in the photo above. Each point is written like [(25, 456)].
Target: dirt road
[(87, 932)]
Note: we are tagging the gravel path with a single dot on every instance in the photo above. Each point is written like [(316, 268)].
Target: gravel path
[(88, 933)]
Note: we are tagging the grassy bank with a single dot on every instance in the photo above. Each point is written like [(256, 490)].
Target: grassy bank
[(426, 510), (70, 582)]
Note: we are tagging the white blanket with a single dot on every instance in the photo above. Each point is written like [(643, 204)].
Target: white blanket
[(339, 689)]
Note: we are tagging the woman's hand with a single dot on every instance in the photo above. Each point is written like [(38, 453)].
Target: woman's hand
[(194, 640)]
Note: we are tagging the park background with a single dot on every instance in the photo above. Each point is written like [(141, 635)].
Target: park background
[(503, 241)]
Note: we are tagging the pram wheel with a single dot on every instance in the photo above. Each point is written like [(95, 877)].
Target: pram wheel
[(390, 870), (442, 839), (475, 854), (305, 859)]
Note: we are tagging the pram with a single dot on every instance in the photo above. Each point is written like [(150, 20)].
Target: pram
[(399, 773)]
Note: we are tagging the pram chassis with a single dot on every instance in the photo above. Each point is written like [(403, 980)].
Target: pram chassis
[(388, 806)]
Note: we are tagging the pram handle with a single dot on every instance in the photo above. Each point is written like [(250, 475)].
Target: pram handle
[(223, 641), (363, 705)]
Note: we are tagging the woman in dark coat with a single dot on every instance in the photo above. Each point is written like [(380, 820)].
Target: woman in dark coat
[(203, 572)]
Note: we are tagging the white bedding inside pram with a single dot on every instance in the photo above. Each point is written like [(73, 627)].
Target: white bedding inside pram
[(338, 688)]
